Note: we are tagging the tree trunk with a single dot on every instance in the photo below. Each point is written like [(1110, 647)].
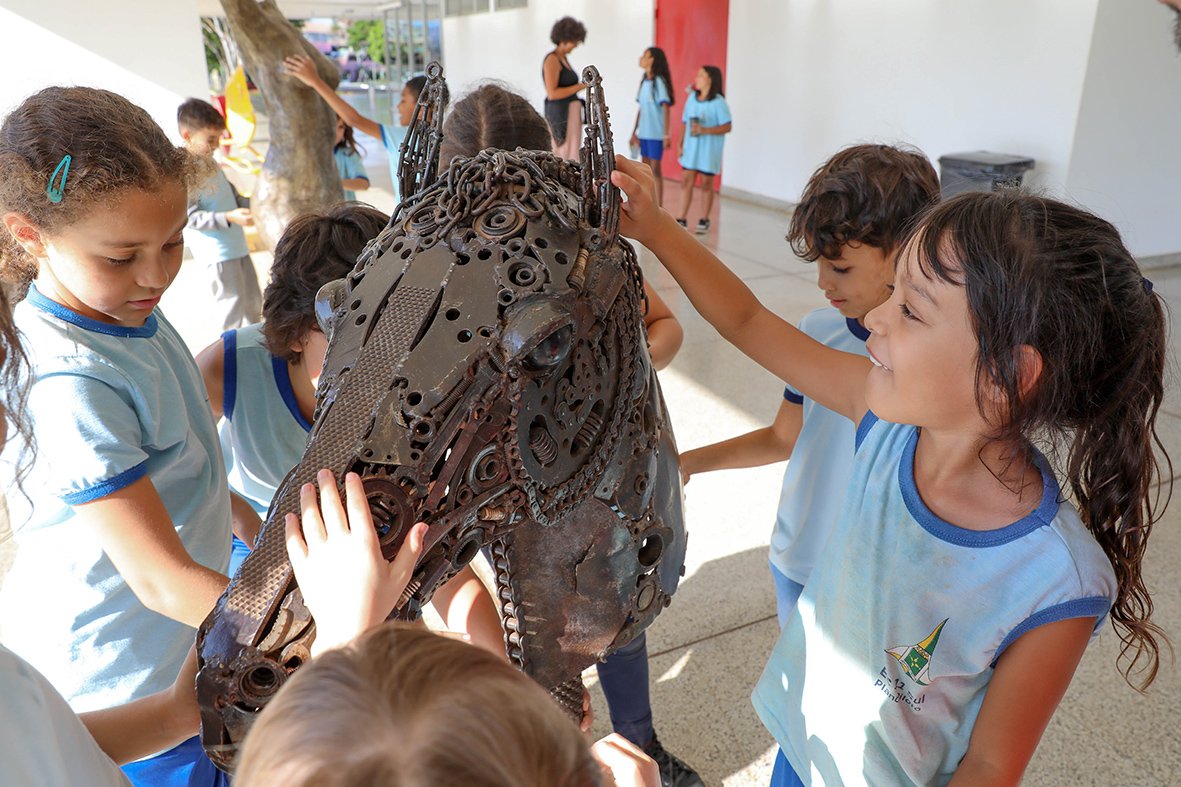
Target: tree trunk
[(299, 173)]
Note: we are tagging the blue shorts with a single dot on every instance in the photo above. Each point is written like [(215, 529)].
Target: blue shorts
[(783, 775), (652, 148), (183, 766)]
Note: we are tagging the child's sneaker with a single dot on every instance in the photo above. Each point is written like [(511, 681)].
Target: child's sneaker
[(673, 771), (683, 223), (702, 227)]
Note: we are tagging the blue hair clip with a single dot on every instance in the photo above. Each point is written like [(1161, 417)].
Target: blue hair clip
[(1147, 284), (63, 168)]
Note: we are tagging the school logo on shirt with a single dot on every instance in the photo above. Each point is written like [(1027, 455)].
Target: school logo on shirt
[(916, 659)]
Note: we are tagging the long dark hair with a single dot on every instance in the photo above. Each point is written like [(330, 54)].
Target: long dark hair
[(660, 71), (1053, 277), (715, 83), (348, 141)]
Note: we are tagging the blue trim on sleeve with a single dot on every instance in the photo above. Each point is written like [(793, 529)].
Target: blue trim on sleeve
[(283, 381), (857, 329), (1041, 516), (229, 372), (867, 422), (793, 397), (110, 486), (1088, 607), (387, 140), (145, 331)]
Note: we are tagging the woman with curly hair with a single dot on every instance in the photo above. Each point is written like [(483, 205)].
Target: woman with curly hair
[(563, 107)]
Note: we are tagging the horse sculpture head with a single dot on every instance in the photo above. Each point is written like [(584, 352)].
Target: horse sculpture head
[(487, 373)]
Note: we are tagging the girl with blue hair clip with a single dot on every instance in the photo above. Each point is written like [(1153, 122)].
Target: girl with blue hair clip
[(123, 528)]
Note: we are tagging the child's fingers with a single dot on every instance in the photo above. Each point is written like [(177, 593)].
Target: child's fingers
[(636, 170), (411, 550), (313, 526), (588, 712), (297, 548), (331, 509), (360, 517), (627, 184), (402, 566)]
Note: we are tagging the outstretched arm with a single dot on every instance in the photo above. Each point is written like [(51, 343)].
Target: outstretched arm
[(302, 68), (830, 377), (664, 329), (155, 723), (1029, 681), (136, 532), (772, 443)]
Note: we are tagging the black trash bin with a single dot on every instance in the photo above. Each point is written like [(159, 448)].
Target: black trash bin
[(981, 171)]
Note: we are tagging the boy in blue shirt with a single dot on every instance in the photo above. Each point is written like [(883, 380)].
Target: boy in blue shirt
[(262, 378), (217, 214), (853, 213)]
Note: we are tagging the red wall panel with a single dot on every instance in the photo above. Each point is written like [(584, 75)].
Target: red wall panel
[(692, 34)]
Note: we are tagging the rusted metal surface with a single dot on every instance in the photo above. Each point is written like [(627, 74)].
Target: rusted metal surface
[(488, 374)]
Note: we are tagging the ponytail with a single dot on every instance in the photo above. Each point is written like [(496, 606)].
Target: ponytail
[(1041, 274)]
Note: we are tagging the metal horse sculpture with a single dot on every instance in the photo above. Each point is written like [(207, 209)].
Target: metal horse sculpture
[(487, 373)]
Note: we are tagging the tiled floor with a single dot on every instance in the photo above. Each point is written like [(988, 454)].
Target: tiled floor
[(710, 645)]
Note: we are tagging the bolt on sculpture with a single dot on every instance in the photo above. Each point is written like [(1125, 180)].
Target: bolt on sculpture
[(487, 373)]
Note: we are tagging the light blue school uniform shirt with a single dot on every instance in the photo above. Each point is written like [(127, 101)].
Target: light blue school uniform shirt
[(349, 165), (391, 140), (652, 98), (217, 240), (42, 742), (821, 462), (880, 673), (109, 405), (703, 152), (264, 434)]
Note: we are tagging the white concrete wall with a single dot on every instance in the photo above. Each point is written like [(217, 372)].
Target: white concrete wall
[(510, 45), (1126, 162), (807, 77), (150, 52)]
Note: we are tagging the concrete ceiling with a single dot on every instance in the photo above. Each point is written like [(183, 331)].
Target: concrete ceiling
[(339, 9)]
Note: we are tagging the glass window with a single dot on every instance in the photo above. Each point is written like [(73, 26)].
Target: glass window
[(464, 7), (505, 4)]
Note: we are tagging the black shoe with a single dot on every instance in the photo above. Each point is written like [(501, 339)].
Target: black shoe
[(703, 227), (673, 772), (683, 223)]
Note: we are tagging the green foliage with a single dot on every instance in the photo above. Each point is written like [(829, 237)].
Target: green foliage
[(364, 35)]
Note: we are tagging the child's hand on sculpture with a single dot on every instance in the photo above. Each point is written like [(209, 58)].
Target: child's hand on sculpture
[(642, 215), (347, 584), (624, 764), (302, 68)]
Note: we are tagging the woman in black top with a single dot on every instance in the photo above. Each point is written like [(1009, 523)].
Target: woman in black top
[(563, 108)]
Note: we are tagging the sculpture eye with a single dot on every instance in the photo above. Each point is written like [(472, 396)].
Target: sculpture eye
[(550, 351)]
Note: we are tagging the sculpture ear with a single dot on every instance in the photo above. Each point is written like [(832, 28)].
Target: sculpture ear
[(601, 200), (418, 157), (328, 301)]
